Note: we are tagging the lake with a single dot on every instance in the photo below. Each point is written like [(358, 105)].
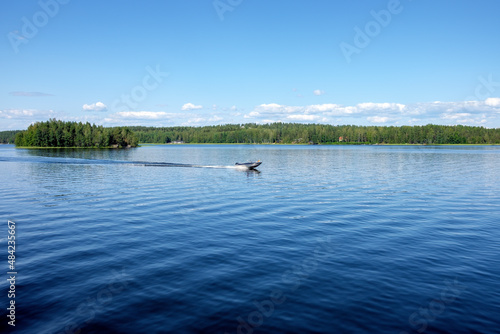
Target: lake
[(321, 239)]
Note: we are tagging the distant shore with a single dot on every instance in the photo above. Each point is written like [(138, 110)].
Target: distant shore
[(319, 144), (54, 133), (321, 134), (73, 147)]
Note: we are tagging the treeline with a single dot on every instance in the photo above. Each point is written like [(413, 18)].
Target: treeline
[(296, 133), (8, 137), (54, 133)]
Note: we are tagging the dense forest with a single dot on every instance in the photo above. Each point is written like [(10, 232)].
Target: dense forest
[(8, 137), (54, 133), (71, 134), (296, 133)]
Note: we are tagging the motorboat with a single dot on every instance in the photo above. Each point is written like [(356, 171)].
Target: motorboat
[(249, 165)]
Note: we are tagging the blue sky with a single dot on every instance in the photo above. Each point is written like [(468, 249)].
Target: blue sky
[(188, 62)]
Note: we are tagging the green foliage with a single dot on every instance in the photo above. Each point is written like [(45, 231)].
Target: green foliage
[(54, 133), (296, 133), (8, 137)]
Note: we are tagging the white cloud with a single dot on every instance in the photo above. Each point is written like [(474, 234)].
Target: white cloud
[(16, 113), (16, 119), (465, 118), (303, 117), (318, 92), (195, 121), (271, 107), (329, 109), (484, 113), (436, 112), (381, 106), (455, 116), (144, 115), (493, 102), (267, 121), (377, 119), (323, 111), (253, 114), (190, 106), (215, 118), (276, 109), (162, 118), (291, 113), (98, 106), (33, 114)]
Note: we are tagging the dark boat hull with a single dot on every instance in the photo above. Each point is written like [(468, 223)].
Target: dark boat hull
[(249, 165)]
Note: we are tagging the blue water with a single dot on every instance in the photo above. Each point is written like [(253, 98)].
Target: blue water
[(322, 239)]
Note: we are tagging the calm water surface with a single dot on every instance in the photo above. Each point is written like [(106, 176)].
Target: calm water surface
[(323, 239)]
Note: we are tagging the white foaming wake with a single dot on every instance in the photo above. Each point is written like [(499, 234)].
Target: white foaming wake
[(229, 167)]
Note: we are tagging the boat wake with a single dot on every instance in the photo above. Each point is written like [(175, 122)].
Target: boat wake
[(167, 164), (79, 161)]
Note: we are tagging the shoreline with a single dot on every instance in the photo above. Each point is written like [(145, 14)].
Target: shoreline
[(229, 144), (73, 147), (320, 144)]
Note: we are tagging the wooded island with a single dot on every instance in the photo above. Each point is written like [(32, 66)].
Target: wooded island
[(54, 133)]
